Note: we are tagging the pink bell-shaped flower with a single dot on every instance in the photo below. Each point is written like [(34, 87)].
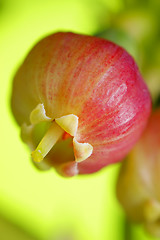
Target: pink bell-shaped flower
[(80, 101)]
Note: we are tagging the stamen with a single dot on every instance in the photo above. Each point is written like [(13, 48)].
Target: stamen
[(39, 114), (53, 134), (81, 150)]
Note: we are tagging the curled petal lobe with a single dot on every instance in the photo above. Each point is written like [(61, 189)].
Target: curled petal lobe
[(81, 150), (69, 123), (38, 115)]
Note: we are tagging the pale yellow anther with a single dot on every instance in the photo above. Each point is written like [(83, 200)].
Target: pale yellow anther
[(81, 150), (69, 123), (53, 134), (39, 115)]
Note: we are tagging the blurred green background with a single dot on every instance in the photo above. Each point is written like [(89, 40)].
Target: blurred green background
[(44, 205)]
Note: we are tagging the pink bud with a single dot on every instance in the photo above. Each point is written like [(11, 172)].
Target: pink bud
[(138, 183), (86, 87)]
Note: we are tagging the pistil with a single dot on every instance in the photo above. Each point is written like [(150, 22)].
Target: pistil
[(53, 134)]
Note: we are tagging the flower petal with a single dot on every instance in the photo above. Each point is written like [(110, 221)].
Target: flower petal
[(69, 123), (39, 114), (81, 150)]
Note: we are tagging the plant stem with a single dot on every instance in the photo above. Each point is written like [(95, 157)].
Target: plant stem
[(127, 230)]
